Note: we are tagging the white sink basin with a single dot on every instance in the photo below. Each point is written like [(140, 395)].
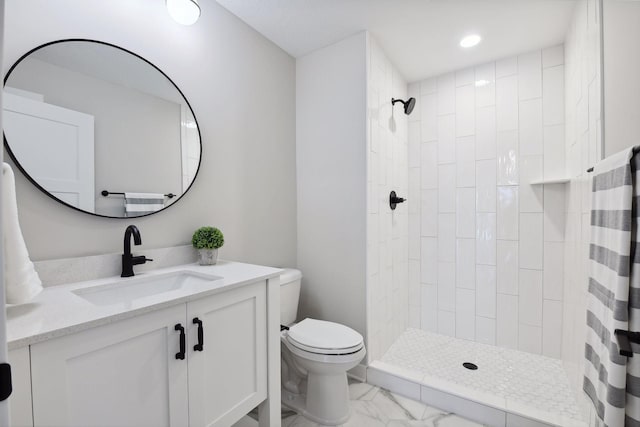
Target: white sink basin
[(145, 286)]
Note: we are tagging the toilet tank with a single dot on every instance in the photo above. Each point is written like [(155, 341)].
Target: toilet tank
[(289, 295)]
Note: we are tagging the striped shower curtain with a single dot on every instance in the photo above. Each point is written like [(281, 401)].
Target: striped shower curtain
[(612, 381)]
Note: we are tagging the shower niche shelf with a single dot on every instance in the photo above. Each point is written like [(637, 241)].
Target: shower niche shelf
[(559, 180)]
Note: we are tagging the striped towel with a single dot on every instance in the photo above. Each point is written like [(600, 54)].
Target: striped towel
[(137, 204), (612, 381)]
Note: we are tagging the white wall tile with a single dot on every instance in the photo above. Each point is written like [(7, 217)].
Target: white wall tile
[(486, 291), (506, 67), (429, 213), (486, 238), (507, 268), (446, 139), (530, 338), (429, 161), (414, 144), (446, 94), (465, 162), (530, 297), (531, 196), (531, 141), (507, 154), (486, 330), (507, 321), (554, 213), (553, 56), (414, 236), (552, 329), (414, 191), (465, 110), (429, 118), (428, 86), (530, 249), (553, 95), (447, 237), (466, 263), (485, 82), (553, 277), (506, 103), (486, 133), (554, 152), (429, 260), (466, 212), (429, 312), (508, 212), (492, 138), (447, 323), (465, 314), (447, 188), (486, 185), (465, 77), (530, 75)]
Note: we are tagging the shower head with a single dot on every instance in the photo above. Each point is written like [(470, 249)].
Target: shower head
[(408, 104)]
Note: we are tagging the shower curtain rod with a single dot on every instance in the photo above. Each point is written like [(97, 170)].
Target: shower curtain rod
[(636, 150)]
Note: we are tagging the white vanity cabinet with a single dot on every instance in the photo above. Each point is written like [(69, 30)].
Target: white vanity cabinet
[(129, 373), (121, 374)]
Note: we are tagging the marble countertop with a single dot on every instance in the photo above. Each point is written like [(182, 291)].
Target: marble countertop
[(58, 311)]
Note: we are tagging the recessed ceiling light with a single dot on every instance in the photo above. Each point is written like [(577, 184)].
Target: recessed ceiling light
[(185, 12), (470, 40)]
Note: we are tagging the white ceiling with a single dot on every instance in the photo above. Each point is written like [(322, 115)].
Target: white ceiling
[(419, 36)]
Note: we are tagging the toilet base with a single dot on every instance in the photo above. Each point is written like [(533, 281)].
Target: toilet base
[(297, 403)]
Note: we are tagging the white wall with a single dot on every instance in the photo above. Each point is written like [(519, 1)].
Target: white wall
[(242, 90), (387, 230), (621, 26), (583, 124), (485, 244), (332, 181)]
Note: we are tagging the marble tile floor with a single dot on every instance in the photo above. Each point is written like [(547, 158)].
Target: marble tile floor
[(376, 407)]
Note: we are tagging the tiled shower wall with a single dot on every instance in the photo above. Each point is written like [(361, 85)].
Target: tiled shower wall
[(387, 231), (485, 243), (583, 149)]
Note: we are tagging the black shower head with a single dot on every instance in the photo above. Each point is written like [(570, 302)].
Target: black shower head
[(408, 104)]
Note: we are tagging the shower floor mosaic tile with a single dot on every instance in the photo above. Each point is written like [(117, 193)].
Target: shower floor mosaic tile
[(526, 379)]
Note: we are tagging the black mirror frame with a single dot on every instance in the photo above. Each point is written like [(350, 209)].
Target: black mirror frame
[(33, 181)]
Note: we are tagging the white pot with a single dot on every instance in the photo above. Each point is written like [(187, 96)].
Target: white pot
[(207, 256)]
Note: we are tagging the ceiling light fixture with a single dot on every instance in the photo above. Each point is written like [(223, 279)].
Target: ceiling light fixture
[(470, 40), (480, 83), (185, 12)]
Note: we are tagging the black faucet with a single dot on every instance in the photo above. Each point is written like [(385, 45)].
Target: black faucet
[(128, 260)]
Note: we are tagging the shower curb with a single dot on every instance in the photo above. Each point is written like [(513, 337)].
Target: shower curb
[(478, 406)]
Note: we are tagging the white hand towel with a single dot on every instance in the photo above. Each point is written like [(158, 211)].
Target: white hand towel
[(21, 280), (136, 204)]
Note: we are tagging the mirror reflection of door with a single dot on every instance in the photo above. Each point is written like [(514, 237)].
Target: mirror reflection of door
[(62, 138)]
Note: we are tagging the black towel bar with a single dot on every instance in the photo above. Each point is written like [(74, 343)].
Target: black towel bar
[(625, 338), (106, 193)]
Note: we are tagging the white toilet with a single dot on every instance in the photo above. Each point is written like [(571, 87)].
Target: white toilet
[(316, 356)]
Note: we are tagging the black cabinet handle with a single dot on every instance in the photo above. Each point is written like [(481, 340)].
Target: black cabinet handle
[(200, 345), (183, 342)]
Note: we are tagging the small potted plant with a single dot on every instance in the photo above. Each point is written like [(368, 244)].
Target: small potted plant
[(207, 240)]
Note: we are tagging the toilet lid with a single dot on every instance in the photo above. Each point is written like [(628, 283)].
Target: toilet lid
[(312, 334)]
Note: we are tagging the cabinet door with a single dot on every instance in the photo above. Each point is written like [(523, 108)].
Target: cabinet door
[(122, 374), (229, 376), (20, 400)]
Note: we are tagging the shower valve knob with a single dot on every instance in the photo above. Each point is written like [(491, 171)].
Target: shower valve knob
[(394, 200)]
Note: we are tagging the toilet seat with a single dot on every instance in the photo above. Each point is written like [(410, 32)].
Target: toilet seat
[(324, 338)]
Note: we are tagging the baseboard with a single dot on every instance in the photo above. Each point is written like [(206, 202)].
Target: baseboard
[(359, 372)]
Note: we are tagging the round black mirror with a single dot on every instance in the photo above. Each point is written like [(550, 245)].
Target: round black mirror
[(100, 129)]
